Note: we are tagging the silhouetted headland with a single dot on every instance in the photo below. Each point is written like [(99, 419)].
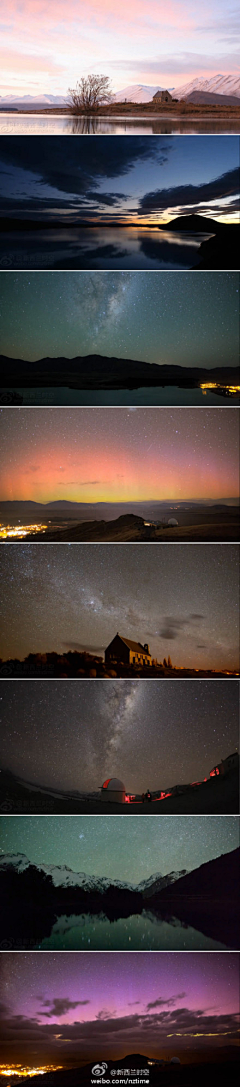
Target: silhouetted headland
[(220, 250)]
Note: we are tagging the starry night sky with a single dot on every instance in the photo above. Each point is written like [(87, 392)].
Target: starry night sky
[(143, 181), (113, 1004), (119, 455), (151, 735), (67, 596), (129, 850), (175, 319)]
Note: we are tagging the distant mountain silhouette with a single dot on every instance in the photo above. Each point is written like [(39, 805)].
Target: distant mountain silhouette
[(100, 371)]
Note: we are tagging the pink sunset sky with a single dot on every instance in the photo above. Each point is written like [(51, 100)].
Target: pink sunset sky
[(45, 47)]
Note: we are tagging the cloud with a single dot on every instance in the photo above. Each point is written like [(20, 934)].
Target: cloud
[(130, 1029), (172, 1000), (184, 63), (160, 199), (60, 1006), (196, 615), (173, 624), (79, 482), (32, 468), (74, 174), (81, 648), (105, 1014)]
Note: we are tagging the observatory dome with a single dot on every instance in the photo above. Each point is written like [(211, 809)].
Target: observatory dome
[(172, 522), (113, 791), (175, 1060)]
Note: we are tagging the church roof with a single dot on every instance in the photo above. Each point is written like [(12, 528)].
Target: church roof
[(137, 646)]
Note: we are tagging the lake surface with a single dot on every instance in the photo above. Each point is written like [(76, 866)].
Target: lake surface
[(59, 125), (141, 932), (144, 248), (170, 396)]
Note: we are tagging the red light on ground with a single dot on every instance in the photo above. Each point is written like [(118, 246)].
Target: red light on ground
[(212, 773)]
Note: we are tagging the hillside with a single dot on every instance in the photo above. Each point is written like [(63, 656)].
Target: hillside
[(206, 898)]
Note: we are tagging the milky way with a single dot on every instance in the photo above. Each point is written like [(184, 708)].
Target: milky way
[(73, 735), (176, 319), (77, 597)]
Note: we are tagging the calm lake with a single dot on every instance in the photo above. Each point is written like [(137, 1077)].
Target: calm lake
[(59, 125), (141, 932), (100, 247), (170, 396)]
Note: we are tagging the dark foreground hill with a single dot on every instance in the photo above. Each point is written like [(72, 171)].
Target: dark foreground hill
[(208, 98), (218, 252), (207, 898), (222, 251), (209, 525), (210, 1064)]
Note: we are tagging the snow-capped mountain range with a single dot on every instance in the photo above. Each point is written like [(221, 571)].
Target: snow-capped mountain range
[(62, 876), (31, 101), (135, 92), (218, 84)]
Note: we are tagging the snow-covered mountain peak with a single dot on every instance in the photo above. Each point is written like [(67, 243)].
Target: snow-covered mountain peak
[(63, 876)]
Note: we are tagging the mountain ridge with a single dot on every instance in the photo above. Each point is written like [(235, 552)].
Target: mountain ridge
[(63, 876)]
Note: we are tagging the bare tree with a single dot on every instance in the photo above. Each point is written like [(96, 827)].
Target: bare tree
[(90, 93)]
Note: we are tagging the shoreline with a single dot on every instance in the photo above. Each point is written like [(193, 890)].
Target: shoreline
[(141, 111)]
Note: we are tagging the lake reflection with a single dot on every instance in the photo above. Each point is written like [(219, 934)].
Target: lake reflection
[(170, 396), (142, 932), (100, 247), (59, 125)]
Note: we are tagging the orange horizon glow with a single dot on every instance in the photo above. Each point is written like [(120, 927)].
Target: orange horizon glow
[(126, 465)]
